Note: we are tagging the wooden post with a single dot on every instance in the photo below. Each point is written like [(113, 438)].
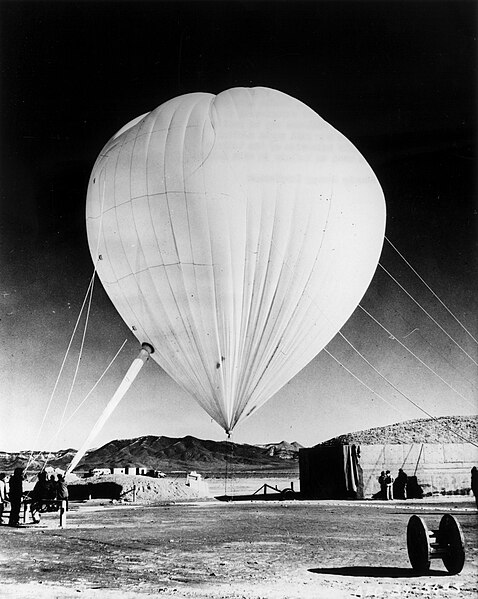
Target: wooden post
[(134, 493), (26, 506), (63, 513), (292, 485)]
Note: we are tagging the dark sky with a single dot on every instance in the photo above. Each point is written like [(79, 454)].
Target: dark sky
[(397, 78)]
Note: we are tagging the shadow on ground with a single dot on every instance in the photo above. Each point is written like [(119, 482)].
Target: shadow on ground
[(376, 572)]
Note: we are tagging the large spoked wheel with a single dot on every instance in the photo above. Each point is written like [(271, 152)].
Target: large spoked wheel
[(418, 544), (451, 536)]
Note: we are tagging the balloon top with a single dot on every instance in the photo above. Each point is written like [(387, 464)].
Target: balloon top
[(238, 230)]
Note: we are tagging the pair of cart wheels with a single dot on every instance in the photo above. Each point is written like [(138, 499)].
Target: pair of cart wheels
[(446, 543)]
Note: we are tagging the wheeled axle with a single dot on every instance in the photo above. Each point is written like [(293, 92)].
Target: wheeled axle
[(446, 543)]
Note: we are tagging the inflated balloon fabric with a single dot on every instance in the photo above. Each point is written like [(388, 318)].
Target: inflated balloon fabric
[(237, 234)]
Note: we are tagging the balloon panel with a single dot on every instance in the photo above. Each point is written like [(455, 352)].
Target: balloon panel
[(238, 233)]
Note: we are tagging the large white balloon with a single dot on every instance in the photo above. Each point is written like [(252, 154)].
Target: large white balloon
[(237, 233)]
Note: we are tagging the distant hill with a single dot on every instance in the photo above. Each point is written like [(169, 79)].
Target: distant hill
[(283, 450), (423, 430), (168, 453), (56, 459)]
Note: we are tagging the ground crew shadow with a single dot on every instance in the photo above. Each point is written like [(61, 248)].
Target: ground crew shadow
[(376, 572)]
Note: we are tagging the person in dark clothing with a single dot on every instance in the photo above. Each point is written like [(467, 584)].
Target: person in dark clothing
[(51, 488), (474, 483), (38, 495), (414, 490), (383, 486), (400, 485), (62, 490), (15, 492)]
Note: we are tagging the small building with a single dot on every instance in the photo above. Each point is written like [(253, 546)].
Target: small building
[(118, 470), (141, 470), (194, 480)]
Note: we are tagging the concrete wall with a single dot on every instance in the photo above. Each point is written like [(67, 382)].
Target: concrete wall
[(442, 468)]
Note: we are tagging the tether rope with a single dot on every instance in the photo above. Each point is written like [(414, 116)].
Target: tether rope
[(383, 399), (312, 299), (430, 289), (403, 394), (380, 374), (429, 315), (361, 382), (79, 354), (61, 368), (436, 351), (231, 470), (88, 294), (394, 338), (53, 439), (226, 472)]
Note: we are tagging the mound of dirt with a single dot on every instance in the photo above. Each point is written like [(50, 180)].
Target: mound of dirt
[(424, 430), (145, 489)]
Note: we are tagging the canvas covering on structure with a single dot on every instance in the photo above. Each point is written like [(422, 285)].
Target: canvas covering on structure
[(330, 472)]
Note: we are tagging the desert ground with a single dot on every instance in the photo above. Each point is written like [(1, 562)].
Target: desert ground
[(249, 550)]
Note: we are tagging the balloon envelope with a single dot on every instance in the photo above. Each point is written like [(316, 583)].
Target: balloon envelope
[(237, 234)]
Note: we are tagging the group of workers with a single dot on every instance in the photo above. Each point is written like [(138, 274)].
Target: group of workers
[(44, 495), (402, 487), (391, 488)]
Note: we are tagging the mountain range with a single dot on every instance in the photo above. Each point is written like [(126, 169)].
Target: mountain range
[(19, 459), (166, 454), (171, 454)]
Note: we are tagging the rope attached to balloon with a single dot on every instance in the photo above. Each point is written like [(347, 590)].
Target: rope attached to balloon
[(87, 294), (394, 338), (430, 289), (228, 474), (53, 439)]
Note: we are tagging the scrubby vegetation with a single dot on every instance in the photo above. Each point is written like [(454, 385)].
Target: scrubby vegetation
[(437, 430)]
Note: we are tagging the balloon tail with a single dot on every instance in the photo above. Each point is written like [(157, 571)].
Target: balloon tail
[(146, 351)]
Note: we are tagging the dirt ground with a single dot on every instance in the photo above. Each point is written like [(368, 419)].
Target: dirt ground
[(243, 550)]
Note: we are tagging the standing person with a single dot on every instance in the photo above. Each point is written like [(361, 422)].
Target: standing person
[(3, 496), (38, 495), (50, 492), (401, 485), (383, 486), (62, 490), (474, 483), (389, 484), (15, 493)]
